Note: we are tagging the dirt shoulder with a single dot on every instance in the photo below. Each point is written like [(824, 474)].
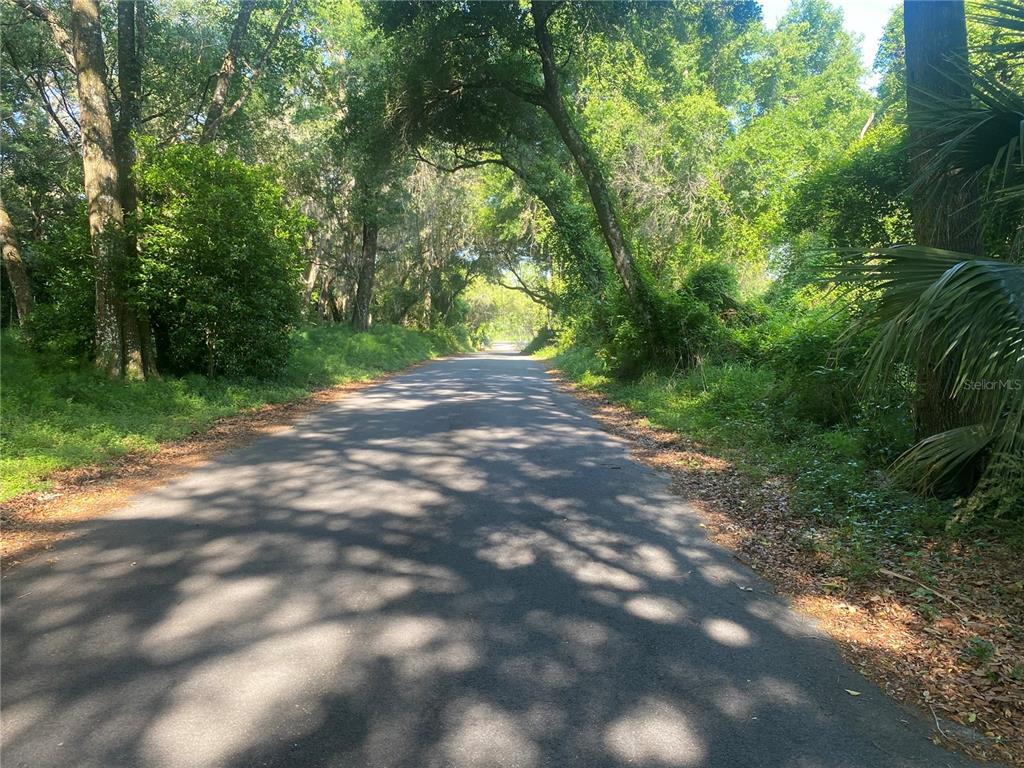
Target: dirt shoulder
[(30, 524), (953, 648)]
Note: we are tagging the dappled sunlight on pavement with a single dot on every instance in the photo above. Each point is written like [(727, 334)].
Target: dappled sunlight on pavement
[(452, 568)]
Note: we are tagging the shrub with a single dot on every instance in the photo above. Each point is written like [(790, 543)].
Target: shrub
[(714, 283), (63, 319), (545, 338), (220, 263), (812, 381), (677, 331)]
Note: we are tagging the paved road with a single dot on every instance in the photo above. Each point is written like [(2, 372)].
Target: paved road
[(454, 568)]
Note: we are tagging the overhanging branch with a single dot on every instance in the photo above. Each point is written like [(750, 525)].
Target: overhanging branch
[(60, 35)]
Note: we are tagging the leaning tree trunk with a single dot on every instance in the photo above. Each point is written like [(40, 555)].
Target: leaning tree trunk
[(367, 272), (586, 162), (117, 346), (945, 213), (15, 266), (222, 80)]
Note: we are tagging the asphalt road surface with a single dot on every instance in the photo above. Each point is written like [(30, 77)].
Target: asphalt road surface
[(456, 567)]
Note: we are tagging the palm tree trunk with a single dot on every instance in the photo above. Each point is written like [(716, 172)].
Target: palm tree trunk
[(936, 44), (936, 47)]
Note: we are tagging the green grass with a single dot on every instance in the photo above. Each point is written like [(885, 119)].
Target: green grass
[(56, 416), (731, 409)]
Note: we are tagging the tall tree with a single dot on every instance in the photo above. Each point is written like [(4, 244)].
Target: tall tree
[(375, 152), (117, 344), (361, 314), (945, 209), (131, 27)]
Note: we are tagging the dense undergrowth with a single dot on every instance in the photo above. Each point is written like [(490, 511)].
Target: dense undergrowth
[(57, 416)]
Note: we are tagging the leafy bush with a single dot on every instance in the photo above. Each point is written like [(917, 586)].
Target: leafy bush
[(62, 274), (817, 378), (220, 262), (674, 331), (545, 338), (861, 199), (714, 283)]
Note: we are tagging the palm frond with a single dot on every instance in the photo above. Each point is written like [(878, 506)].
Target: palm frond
[(1008, 17), (932, 306), (939, 459), (976, 137)]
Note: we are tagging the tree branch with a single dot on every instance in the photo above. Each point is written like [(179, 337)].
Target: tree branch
[(222, 79), (262, 63), (64, 101), (60, 35), (539, 296), (41, 89), (462, 163)]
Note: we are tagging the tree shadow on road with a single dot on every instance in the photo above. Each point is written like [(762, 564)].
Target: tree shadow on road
[(415, 577)]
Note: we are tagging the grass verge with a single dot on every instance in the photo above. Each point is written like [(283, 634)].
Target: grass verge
[(57, 417)]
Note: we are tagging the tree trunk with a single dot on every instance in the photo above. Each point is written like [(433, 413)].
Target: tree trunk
[(323, 302), (936, 43), (367, 272), (936, 46), (309, 284), (130, 41), (116, 343), (586, 162), (222, 81), (15, 266)]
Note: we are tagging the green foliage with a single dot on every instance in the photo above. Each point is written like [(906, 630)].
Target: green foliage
[(714, 283), (860, 198), (502, 314), (545, 338), (674, 330), (220, 262), (817, 374), (58, 416), (953, 317), (62, 271), (890, 65), (979, 650), (931, 306)]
